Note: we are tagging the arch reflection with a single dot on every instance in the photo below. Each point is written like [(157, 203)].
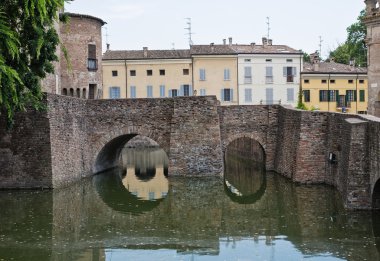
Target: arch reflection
[(137, 187), (244, 177)]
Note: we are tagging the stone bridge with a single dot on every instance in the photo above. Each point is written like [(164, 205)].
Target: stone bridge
[(75, 138)]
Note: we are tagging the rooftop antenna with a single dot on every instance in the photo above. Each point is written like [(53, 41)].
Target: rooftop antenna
[(106, 35), (268, 25), (173, 46), (189, 33), (320, 46)]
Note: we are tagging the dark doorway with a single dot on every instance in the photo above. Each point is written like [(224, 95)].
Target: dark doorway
[(376, 196), (92, 90)]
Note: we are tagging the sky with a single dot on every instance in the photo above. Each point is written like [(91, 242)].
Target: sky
[(160, 24)]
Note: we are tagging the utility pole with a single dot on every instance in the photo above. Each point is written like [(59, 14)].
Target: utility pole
[(189, 33), (268, 27)]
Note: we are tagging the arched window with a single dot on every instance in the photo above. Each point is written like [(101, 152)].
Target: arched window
[(78, 93), (64, 91), (71, 92), (84, 96), (376, 196)]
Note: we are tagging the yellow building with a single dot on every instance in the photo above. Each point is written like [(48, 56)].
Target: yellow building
[(215, 72), (334, 87), (147, 74)]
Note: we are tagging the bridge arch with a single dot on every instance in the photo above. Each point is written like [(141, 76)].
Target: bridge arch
[(251, 136), (107, 148), (376, 196)]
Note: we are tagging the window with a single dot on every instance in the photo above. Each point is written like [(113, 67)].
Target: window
[(350, 81), (323, 81), (269, 95), (268, 60), (202, 92), (361, 81), (289, 73), (323, 95), (227, 94), (248, 95), (114, 73), (332, 81), (351, 96), (289, 60), (202, 74), (306, 95), (173, 93), (185, 90), (92, 62), (149, 91), (362, 95), (247, 60), (133, 91), (332, 96), (186, 71), (78, 92), (162, 72), (306, 81), (114, 92), (149, 72), (151, 195), (71, 92), (226, 74), (290, 94), (162, 91), (247, 74), (269, 74), (132, 72), (64, 91)]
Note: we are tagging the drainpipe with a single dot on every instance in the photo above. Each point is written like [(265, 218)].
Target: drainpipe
[(357, 96), (192, 75), (328, 94), (126, 79), (237, 82)]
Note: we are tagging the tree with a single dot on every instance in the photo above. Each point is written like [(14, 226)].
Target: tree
[(354, 48), (28, 42)]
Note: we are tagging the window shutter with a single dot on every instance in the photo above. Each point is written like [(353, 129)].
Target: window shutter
[(181, 91), (355, 96), (191, 91), (170, 93), (320, 96), (92, 51), (222, 94), (290, 94), (337, 95), (285, 71), (162, 91), (110, 92), (294, 71), (231, 95)]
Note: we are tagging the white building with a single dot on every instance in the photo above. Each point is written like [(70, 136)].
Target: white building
[(268, 74)]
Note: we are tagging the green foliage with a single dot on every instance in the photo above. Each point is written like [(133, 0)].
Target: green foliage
[(354, 48), (306, 57), (28, 42)]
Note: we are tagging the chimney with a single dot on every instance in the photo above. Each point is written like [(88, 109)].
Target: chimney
[(212, 47), (265, 41), (270, 41), (253, 45), (314, 58), (224, 41), (230, 41), (145, 52), (108, 47)]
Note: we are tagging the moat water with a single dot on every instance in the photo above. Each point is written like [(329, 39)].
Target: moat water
[(138, 213)]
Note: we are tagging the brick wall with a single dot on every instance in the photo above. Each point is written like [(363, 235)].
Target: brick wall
[(77, 137)]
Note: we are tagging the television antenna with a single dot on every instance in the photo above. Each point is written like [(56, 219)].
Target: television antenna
[(189, 32)]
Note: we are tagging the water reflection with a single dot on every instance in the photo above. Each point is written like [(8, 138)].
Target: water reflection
[(138, 186), (244, 179), (100, 219)]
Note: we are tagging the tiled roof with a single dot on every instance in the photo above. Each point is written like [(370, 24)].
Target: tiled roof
[(220, 49), (334, 68), (152, 54), (85, 16), (242, 49)]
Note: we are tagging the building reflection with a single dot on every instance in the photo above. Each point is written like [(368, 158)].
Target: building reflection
[(146, 176)]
